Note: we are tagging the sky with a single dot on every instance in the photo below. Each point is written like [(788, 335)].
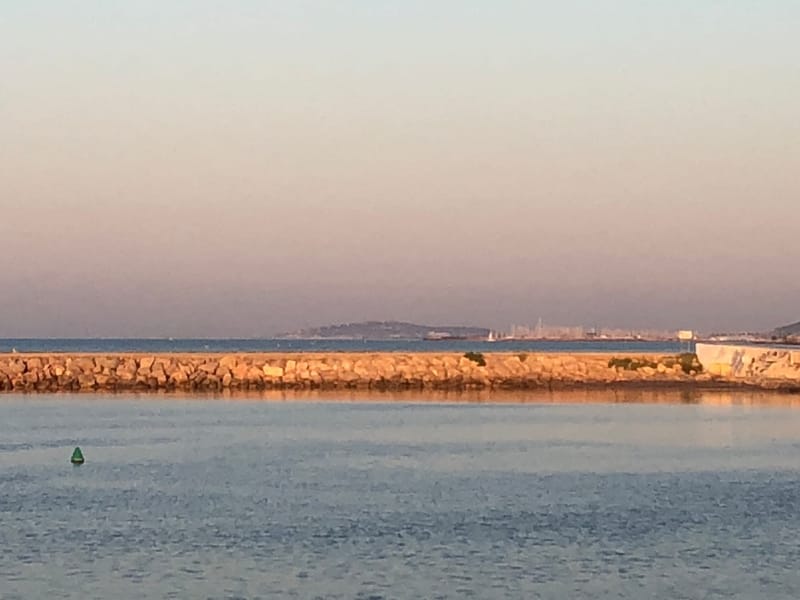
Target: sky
[(243, 168)]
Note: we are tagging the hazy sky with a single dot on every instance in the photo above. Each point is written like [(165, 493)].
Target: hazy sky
[(235, 168)]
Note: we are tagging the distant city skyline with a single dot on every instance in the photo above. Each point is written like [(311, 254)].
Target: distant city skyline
[(197, 169)]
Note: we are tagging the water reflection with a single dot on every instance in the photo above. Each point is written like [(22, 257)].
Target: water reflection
[(711, 397)]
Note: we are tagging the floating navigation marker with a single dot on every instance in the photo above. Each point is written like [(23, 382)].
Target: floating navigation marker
[(77, 457)]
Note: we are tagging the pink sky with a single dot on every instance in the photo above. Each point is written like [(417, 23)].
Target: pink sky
[(183, 171)]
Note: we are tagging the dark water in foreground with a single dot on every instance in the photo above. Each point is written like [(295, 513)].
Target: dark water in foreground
[(204, 498)]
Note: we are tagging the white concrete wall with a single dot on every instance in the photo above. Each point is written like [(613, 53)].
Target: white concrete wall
[(749, 362)]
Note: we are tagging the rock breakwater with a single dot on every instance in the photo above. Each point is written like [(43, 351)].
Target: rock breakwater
[(379, 371)]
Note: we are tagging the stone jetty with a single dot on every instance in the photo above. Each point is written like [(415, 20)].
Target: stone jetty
[(378, 371)]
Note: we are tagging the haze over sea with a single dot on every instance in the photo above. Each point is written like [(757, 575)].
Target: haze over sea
[(206, 169), (196, 497)]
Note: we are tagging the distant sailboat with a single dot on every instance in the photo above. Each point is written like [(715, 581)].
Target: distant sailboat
[(491, 337)]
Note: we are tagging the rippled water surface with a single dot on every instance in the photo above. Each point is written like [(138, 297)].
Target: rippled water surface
[(235, 498)]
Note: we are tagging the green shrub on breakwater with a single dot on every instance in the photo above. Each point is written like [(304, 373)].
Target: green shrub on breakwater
[(630, 364), (476, 357), (688, 362)]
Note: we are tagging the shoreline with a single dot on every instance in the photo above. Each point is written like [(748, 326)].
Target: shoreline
[(371, 371)]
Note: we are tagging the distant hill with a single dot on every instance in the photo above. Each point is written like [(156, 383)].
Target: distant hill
[(388, 330), (787, 331)]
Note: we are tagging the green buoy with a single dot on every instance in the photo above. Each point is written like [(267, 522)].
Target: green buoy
[(77, 457)]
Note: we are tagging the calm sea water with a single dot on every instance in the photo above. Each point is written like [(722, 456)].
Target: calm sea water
[(274, 345), (197, 497)]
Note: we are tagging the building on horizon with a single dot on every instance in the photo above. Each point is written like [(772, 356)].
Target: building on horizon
[(576, 332)]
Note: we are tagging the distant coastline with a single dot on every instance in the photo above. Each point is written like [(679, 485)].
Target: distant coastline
[(398, 336), (283, 345)]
